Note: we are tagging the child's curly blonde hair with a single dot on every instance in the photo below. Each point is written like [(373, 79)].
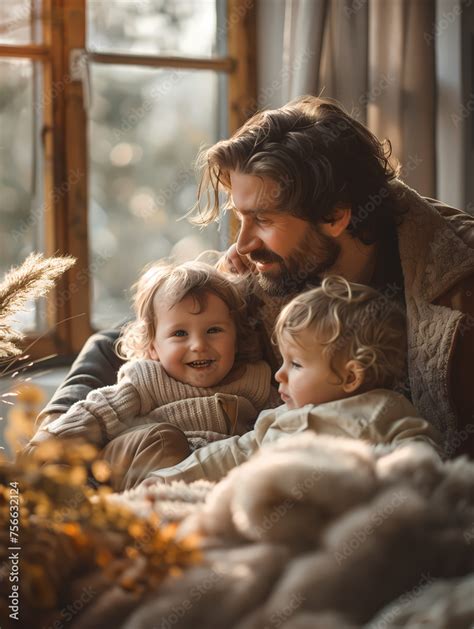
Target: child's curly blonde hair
[(352, 322), (171, 283)]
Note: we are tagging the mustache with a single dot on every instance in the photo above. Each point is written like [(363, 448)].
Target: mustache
[(264, 255)]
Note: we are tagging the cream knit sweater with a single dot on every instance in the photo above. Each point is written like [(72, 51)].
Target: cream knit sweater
[(379, 416), (145, 394)]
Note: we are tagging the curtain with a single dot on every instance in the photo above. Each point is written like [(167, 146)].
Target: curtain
[(405, 111), (374, 57)]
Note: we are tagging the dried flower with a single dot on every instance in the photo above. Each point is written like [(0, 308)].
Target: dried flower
[(70, 531), (32, 279)]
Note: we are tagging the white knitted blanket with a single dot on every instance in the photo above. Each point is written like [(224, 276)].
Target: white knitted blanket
[(317, 532)]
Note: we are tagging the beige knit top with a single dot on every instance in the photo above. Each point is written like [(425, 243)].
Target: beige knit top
[(379, 416), (145, 394)]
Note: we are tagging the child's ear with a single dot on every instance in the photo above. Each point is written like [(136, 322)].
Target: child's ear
[(152, 353), (354, 376)]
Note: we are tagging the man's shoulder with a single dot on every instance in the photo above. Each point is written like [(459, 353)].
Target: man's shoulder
[(448, 211), (425, 211), (460, 221), (441, 237)]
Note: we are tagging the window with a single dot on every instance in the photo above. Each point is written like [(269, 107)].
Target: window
[(104, 108)]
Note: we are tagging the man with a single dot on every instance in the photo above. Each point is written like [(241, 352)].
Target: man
[(315, 193)]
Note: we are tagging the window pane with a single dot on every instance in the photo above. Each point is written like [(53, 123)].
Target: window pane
[(146, 128), (150, 27), (21, 162), (20, 22)]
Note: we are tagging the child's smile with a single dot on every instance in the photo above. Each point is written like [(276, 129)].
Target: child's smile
[(201, 364), (195, 343)]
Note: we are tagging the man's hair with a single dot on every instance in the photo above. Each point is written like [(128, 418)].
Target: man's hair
[(351, 322), (320, 156), (171, 283)]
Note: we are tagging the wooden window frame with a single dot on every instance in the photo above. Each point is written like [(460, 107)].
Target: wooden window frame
[(64, 137)]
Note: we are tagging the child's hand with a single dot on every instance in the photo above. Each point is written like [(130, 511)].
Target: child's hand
[(234, 262), (247, 413), (40, 438), (240, 413)]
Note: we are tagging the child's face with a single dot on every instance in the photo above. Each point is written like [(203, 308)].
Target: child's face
[(305, 376), (197, 348)]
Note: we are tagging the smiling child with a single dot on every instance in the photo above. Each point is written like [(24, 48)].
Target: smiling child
[(344, 350)]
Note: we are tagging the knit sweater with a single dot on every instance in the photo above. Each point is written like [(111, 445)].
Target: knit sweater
[(436, 256), (380, 417), (146, 394)]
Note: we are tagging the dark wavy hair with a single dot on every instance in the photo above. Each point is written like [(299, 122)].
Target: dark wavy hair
[(320, 156)]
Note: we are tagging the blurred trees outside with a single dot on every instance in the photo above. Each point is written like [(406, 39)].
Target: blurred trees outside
[(146, 127)]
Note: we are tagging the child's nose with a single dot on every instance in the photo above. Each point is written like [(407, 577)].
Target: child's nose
[(280, 375), (198, 343)]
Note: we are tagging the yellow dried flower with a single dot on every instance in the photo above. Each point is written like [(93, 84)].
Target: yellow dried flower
[(103, 557), (101, 471), (136, 529), (77, 475), (48, 450), (30, 394), (70, 530)]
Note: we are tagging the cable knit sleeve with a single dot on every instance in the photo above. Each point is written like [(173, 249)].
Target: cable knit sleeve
[(216, 412), (215, 460), (108, 411), (211, 462)]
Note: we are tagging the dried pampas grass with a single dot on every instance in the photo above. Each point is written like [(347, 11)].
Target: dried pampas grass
[(32, 279)]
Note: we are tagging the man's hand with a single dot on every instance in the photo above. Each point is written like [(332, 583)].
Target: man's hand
[(234, 262)]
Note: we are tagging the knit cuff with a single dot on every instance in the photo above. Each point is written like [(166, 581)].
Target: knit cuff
[(92, 432), (229, 406)]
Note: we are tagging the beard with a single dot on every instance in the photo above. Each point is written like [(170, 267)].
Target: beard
[(315, 255)]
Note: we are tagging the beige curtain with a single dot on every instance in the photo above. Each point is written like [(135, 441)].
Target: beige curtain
[(373, 57)]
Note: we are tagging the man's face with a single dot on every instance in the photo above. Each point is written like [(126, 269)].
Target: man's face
[(288, 252)]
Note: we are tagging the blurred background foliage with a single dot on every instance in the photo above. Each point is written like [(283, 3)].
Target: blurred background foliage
[(146, 127)]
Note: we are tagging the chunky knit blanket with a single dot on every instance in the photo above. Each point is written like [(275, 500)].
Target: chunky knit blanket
[(314, 532)]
